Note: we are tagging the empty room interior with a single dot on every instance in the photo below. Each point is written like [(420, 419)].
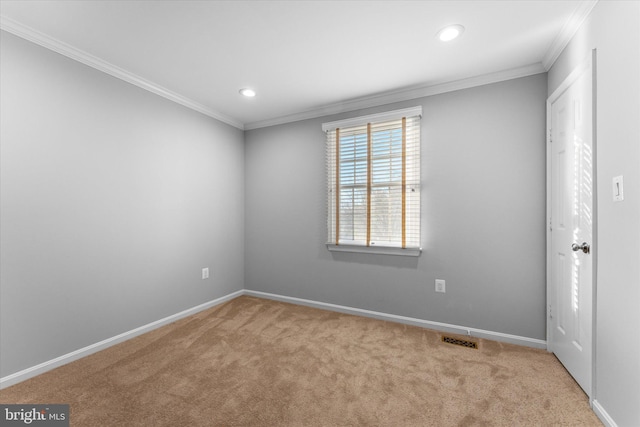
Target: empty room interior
[(320, 212)]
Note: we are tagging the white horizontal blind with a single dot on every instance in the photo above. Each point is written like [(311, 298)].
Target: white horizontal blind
[(374, 183)]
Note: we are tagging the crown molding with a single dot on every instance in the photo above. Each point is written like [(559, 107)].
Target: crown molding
[(69, 51), (405, 94), (567, 32), (560, 42)]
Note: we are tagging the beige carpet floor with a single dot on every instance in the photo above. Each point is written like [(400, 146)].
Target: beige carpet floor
[(256, 362)]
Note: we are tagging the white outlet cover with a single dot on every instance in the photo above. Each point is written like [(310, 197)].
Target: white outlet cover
[(205, 273)]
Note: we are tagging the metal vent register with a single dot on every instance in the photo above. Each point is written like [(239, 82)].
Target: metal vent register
[(462, 343)]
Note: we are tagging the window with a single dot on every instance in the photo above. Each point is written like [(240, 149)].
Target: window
[(373, 176)]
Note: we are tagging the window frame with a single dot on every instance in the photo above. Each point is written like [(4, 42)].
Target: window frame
[(333, 167)]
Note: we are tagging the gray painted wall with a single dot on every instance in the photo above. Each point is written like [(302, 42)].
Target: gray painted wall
[(483, 215), (112, 200), (613, 29)]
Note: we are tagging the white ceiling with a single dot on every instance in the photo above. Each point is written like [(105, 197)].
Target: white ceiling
[(304, 58)]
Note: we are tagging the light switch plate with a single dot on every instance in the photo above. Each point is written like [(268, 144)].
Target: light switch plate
[(618, 189), (440, 286)]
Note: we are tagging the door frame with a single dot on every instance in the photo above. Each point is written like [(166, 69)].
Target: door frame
[(588, 62)]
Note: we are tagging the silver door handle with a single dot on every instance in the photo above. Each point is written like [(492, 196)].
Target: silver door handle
[(584, 247)]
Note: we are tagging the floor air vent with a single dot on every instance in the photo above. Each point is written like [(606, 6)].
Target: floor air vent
[(462, 343)]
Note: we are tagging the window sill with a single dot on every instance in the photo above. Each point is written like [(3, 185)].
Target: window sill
[(381, 250)]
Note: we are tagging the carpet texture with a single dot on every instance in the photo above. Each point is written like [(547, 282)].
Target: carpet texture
[(256, 362)]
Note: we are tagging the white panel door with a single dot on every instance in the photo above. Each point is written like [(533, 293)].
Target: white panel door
[(570, 295)]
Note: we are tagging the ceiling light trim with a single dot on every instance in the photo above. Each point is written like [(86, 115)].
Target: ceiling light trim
[(450, 33), (406, 94), (83, 57), (247, 92), (569, 29)]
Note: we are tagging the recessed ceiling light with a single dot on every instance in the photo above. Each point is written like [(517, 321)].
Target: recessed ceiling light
[(249, 93), (451, 32)]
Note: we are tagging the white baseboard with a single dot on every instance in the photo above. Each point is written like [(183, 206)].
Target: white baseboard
[(31, 372), (603, 415), (443, 327)]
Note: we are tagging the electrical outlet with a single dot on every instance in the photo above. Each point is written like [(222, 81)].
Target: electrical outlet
[(440, 286), (205, 273)]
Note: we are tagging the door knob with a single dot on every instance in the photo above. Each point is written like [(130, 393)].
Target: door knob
[(584, 247)]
